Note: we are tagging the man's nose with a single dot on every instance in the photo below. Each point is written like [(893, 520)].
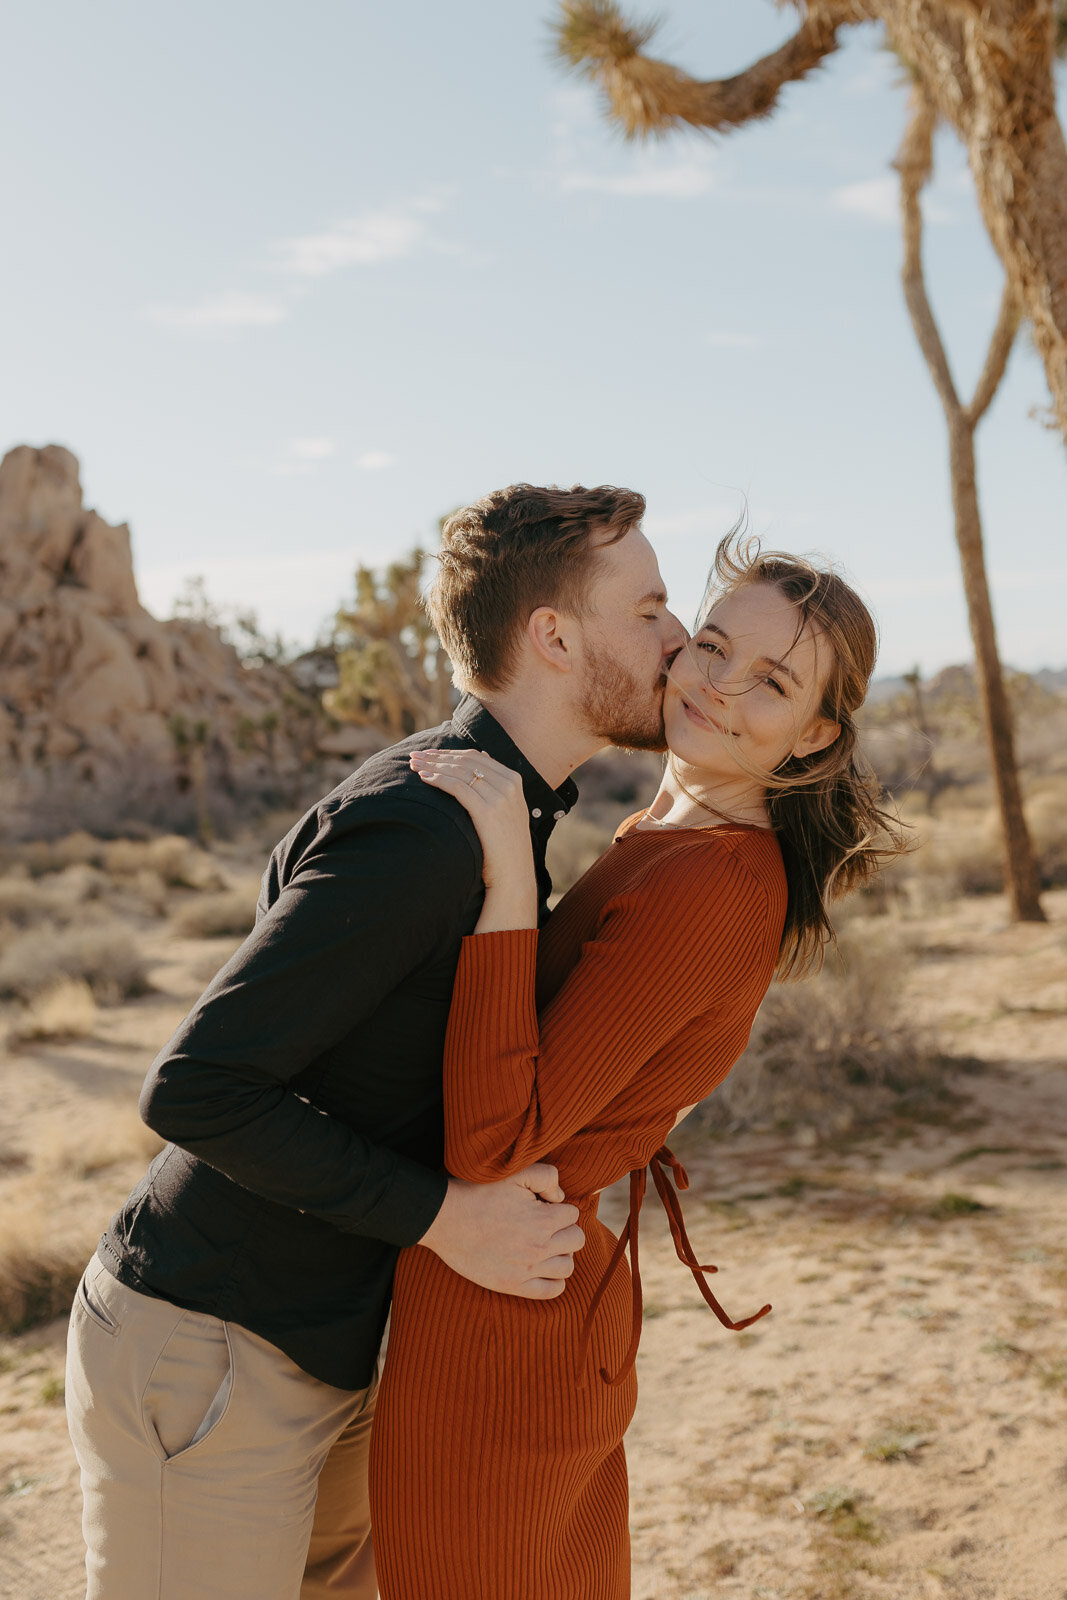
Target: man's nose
[(675, 636)]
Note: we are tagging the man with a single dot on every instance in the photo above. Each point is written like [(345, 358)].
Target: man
[(224, 1339)]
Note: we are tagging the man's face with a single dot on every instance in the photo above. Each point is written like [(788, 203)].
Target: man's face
[(629, 639)]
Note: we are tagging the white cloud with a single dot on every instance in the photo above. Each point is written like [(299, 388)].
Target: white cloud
[(224, 311), (301, 456), (375, 460), (360, 241), (878, 199), (649, 177), (388, 234), (311, 449), (875, 198)]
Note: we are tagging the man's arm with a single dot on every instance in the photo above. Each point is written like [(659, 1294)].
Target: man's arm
[(355, 920), (364, 909)]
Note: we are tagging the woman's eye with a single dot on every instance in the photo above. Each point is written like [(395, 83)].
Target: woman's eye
[(710, 646), (775, 685)]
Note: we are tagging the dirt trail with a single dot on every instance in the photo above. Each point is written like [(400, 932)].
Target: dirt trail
[(894, 1431)]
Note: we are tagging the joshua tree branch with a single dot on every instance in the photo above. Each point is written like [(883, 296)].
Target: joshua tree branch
[(914, 162), (997, 357), (650, 97)]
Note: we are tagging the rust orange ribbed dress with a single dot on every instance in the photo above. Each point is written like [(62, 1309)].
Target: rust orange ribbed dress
[(497, 1468)]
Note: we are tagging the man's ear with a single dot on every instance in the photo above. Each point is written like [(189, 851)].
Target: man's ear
[(821, 733), (550, 635)]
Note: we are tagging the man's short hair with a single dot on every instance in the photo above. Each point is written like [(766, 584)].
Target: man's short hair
[(511, 552)]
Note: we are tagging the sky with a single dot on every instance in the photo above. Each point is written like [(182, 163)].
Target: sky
[(295, 280)]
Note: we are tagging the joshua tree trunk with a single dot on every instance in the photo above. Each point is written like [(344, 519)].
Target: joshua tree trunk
[(914, 165), (988, 70), (985, 65)]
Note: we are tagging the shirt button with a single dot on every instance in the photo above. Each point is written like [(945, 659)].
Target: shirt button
[(558, 816), (536, 812)]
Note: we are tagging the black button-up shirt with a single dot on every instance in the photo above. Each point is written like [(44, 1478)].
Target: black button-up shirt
[(302, 1094)]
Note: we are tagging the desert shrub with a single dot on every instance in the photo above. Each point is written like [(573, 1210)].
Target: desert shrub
[(37, 1285), (39, 1265), (43, 856), (835, 1051), (960, 851), (573, 848), (105, 954), (26, 902), (210, 916), (110, 1134), (64, 1010), (1046, 813), (177, 862)]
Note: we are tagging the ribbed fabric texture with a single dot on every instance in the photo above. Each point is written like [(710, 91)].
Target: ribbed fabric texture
[(498, 1469)]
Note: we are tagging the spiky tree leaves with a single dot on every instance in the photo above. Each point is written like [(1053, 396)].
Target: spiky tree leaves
[(985, 66), (394, 675), (650, 97)]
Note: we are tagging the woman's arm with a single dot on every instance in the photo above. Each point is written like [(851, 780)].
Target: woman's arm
[(691, 940), (493, 796)]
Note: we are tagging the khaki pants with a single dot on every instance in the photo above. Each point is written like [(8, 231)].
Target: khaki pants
[(212, 1467)]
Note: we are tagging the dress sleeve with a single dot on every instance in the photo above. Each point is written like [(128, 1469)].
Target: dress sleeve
[(663, 953)]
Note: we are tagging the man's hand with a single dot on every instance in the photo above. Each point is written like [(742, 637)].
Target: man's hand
[(505, 1237)]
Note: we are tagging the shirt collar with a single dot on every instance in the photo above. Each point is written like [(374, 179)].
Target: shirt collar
[(472, 721)]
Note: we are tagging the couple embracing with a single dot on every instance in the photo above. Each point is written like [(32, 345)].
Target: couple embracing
[(410, 1084)]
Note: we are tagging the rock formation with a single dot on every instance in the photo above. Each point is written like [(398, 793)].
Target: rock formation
[(105, 711)]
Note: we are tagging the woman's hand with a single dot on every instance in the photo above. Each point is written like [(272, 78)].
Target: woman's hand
[(493, 796)]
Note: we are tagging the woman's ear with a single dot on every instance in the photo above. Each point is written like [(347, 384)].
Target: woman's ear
[(821, 733)]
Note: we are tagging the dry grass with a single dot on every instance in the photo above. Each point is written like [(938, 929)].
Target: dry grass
[(176, 861), (39, 1269), (67, 1009), (44, 1247), (104, 954), (110, 1134), (837, 1051), (210, 916)]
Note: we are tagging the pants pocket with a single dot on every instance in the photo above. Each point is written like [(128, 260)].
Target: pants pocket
[(89, 1303), (188, 1392)]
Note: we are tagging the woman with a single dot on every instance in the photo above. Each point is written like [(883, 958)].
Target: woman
[(497, 1459)]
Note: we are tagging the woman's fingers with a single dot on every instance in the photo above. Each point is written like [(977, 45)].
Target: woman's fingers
[(471, 767), (458, 787), (462, 761)]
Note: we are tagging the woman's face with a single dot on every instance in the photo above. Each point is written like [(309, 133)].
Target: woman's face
[(745, 690)]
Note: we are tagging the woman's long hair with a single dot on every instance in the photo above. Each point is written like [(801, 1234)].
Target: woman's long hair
[(825, 807)]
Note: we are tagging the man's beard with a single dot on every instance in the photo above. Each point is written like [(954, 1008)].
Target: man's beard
[(618, 709)]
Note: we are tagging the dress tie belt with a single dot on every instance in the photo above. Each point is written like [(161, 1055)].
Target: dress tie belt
[(664, 1167)]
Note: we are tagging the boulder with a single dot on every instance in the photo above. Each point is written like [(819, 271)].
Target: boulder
[(103, 705)]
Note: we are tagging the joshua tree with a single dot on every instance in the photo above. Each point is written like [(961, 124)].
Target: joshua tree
[(915, 163), (394, 674), (985, 67), (980, 68)]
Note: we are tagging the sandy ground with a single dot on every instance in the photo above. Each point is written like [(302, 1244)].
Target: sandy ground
[(894, 1431)]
